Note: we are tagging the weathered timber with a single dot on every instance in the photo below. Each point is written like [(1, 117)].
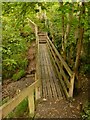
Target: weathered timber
[(51, 74), (55, 83), (13, 103), (38, 90), (51, 89), (47, 74), (59, 66), (31, 103), (61, 59), (60, 78), (42, 63), (59, 75)]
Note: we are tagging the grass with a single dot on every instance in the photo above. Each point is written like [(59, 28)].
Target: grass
[(20, 110)]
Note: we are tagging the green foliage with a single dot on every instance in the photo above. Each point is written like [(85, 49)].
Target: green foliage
[(17, 35), (54, 27), (20, 109), (3, 101), (86, 112), (9, 66), (57, 42), (18, 75)]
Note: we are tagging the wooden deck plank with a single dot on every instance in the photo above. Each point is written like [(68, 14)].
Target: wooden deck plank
[(54, 93), (44, 87), (56, 82), (61, 81), (46, 77), (45, 90), (46, 74), (50, 84)]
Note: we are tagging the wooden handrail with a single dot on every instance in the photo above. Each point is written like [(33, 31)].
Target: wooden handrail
[(13, 103), (33, 25), (60, 68), (60, 58), (59, 64)]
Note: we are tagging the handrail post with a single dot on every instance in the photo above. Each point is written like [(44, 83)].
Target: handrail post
[(31, 104), (71, 85), (37, 93), (37, 90), (0, 114)]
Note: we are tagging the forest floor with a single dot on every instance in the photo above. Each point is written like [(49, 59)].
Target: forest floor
[(51, 109), (11, 88), (63, 108)]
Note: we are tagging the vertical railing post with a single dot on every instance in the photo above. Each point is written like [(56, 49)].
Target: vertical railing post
[(37, 90), (37, 93), (31, 104), (71, 85), (0, 114)]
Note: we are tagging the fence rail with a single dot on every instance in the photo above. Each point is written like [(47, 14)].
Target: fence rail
[(63, 71), (27, 92)]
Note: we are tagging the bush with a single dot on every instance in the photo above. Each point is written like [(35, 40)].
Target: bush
[(8, 68), (14, 48), (18, 75), (86, 112), (20, 109)]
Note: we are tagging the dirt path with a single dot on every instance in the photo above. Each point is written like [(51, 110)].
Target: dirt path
[(10, 88), (62, 108), (57, 109)]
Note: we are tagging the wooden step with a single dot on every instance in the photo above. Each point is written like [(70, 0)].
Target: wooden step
[(42, 34), (42, 37), (42, 41)]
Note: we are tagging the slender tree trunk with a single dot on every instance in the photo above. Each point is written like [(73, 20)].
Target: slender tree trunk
[(67, 33), (63, 31), (79, 48), (51, 31), (79, 44), (70, 16)]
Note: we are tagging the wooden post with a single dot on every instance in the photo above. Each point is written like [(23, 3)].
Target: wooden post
[(31, 103), (37, 93), (37, 89), (0, 114), (71, 86)]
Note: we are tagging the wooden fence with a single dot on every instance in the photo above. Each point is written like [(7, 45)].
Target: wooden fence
[(27, 92), (33, 92), (63, 71)]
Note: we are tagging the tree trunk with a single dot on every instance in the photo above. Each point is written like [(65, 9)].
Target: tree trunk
[(63, 31), (79, 48), (70, 16), (79, 44), (67, 33)]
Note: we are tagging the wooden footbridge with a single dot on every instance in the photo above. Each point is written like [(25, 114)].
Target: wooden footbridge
[(53, 78)]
